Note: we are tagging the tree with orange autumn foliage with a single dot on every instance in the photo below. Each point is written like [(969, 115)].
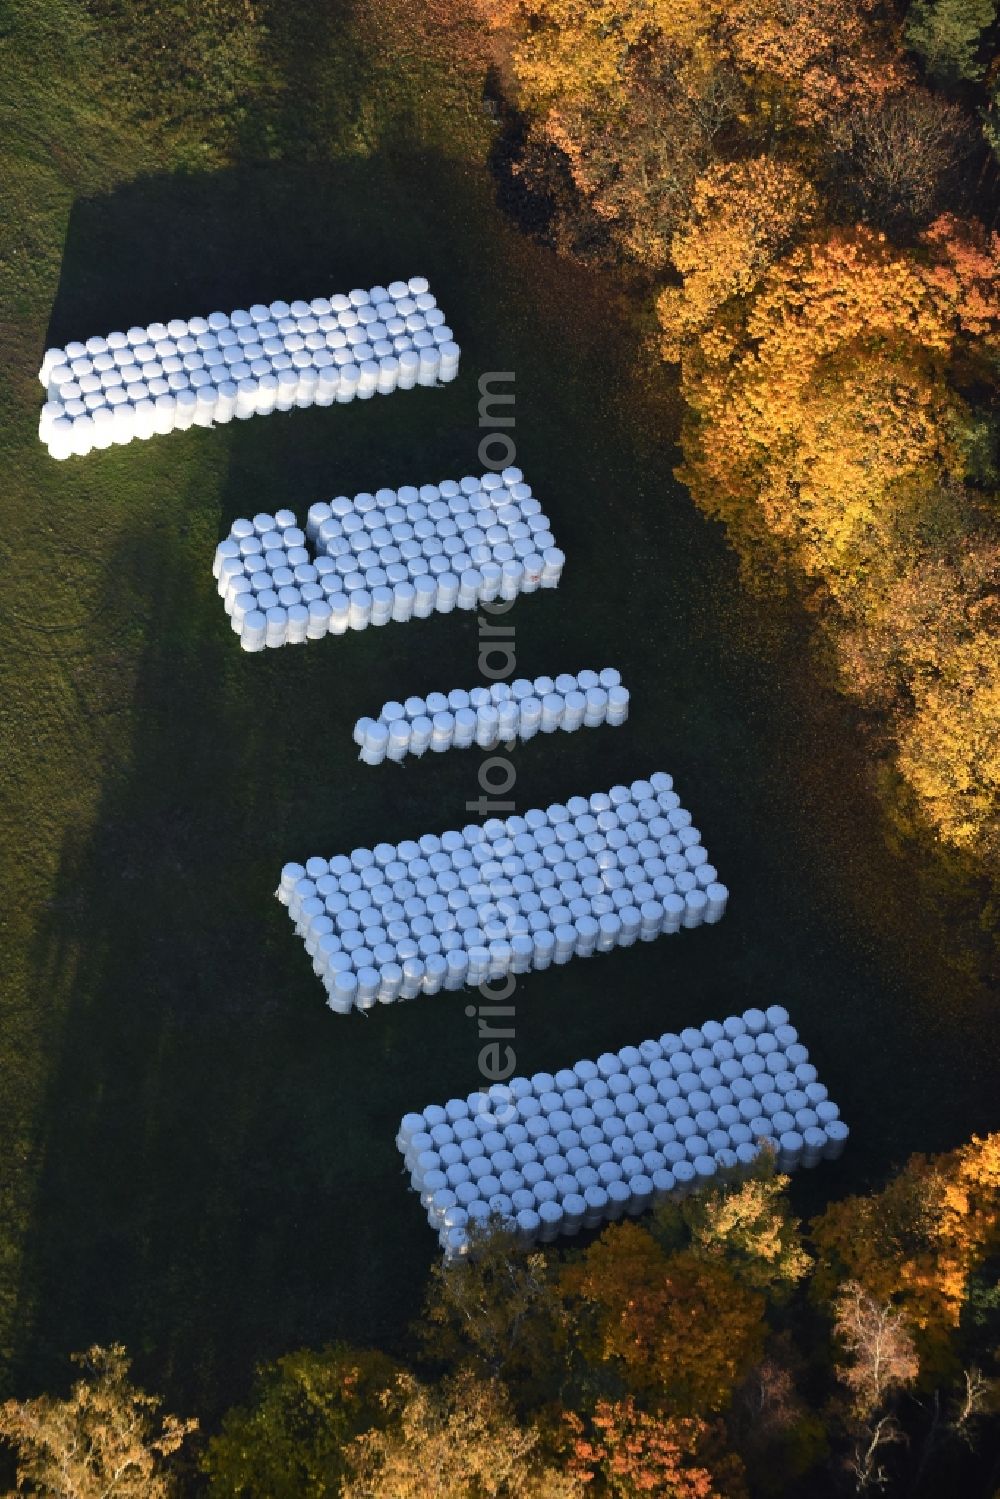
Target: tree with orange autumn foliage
[(640, 97), (964, 275), (638, 1453), (811, 60), (821, 411), (845, 325), (675, 1327)]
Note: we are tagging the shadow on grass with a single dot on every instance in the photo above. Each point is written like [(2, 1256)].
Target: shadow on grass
[(220, 1182)]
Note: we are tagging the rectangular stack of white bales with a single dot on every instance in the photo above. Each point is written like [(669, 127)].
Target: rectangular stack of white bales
[(392, 555), (504, 896), (548, 1155), (202, 370)]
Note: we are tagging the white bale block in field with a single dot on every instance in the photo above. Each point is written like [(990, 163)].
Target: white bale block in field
[(603, 1138), (406, 554), (328, 351), (520, 717), (507, 896)]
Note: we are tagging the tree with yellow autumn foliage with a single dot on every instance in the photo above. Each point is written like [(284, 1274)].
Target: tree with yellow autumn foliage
[(822, 410), (949, 749), (748, 1227), (105, 1440), (918, 1242), (743, 216), (449, 1442), (826, 427)]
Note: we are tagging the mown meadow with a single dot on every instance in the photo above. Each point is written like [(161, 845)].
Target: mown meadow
[(198, 1157)]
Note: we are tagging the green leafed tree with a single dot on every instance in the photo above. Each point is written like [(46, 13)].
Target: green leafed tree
[(497, 1311), (288, 1441), (946, 35)]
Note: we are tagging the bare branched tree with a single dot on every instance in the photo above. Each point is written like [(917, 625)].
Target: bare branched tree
[(976, 1395), (895, 158), (865, 1462), (881, 1360), (882, 1355)]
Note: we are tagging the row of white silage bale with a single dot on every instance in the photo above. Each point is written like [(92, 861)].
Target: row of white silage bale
[(394, 555), (503, 896), (547, 1155), (198, 371), (488, 716)]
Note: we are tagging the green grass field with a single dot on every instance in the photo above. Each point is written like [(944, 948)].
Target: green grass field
[(198, 1157)]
